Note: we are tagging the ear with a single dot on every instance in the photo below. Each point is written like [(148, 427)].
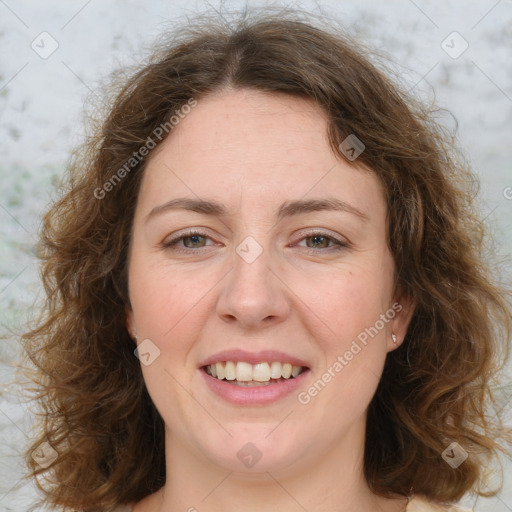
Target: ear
[(403, 306), (130, 323)]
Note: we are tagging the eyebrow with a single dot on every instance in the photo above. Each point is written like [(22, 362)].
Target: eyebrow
[(287, 209)]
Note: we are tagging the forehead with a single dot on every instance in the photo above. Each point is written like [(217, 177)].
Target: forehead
[(253, 146)]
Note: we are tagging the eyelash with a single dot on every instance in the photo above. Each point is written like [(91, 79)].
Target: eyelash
[(173, 243)]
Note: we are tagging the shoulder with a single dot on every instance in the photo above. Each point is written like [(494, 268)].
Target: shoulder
[(419, 504)]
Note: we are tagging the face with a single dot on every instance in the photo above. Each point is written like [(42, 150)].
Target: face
[(256, 251)]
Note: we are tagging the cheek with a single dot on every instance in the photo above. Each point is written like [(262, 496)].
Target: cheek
[(162, 297), (353, 346), (346, 301), (170, 306)]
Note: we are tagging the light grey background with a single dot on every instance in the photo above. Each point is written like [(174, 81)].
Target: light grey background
[(41, 104)]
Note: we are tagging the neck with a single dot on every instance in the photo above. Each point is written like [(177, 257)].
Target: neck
[(319, 481)]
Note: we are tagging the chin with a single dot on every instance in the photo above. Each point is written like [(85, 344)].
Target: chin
[(255, 450)]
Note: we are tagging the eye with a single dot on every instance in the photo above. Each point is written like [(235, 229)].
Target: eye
[(187, 241), (320, 240), (194, 239)]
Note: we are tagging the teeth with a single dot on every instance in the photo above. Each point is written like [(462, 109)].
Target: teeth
[(257, 373), (275, 370), (220, 371), (261, 372), (287, 370), (295, 371), (243, 371), (230, 370)]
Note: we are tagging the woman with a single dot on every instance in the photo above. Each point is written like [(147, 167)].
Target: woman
[(265, 291)]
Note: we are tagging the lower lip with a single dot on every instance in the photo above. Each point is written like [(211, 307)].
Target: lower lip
[(256, 395)]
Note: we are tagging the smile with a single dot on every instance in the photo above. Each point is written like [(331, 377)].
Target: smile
[(242, 373)]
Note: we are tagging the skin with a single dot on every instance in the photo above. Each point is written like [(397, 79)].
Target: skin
[(252, 151)]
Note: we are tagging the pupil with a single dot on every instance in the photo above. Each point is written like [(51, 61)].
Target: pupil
[(194, 239), (317, 239)]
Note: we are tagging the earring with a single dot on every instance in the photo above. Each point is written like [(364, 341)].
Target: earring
[(393, 337)]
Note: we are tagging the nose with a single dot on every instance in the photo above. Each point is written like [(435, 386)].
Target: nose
[(253, 295)]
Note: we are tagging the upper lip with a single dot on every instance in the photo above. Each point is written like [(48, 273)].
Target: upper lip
[(253, 357)]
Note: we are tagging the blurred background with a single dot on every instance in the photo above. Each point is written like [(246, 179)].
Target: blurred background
[(54, 55)]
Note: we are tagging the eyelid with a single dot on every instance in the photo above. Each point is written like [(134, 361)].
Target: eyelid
[(338, 239), (338, 242), (188, 232)]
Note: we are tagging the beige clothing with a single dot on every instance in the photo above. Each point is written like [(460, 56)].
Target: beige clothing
[(418, 504), (415, 505)]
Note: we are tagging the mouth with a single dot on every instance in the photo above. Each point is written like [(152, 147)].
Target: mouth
[(245, 374)]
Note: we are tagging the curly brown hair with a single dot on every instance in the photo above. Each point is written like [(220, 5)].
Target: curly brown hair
[(95, 409)]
